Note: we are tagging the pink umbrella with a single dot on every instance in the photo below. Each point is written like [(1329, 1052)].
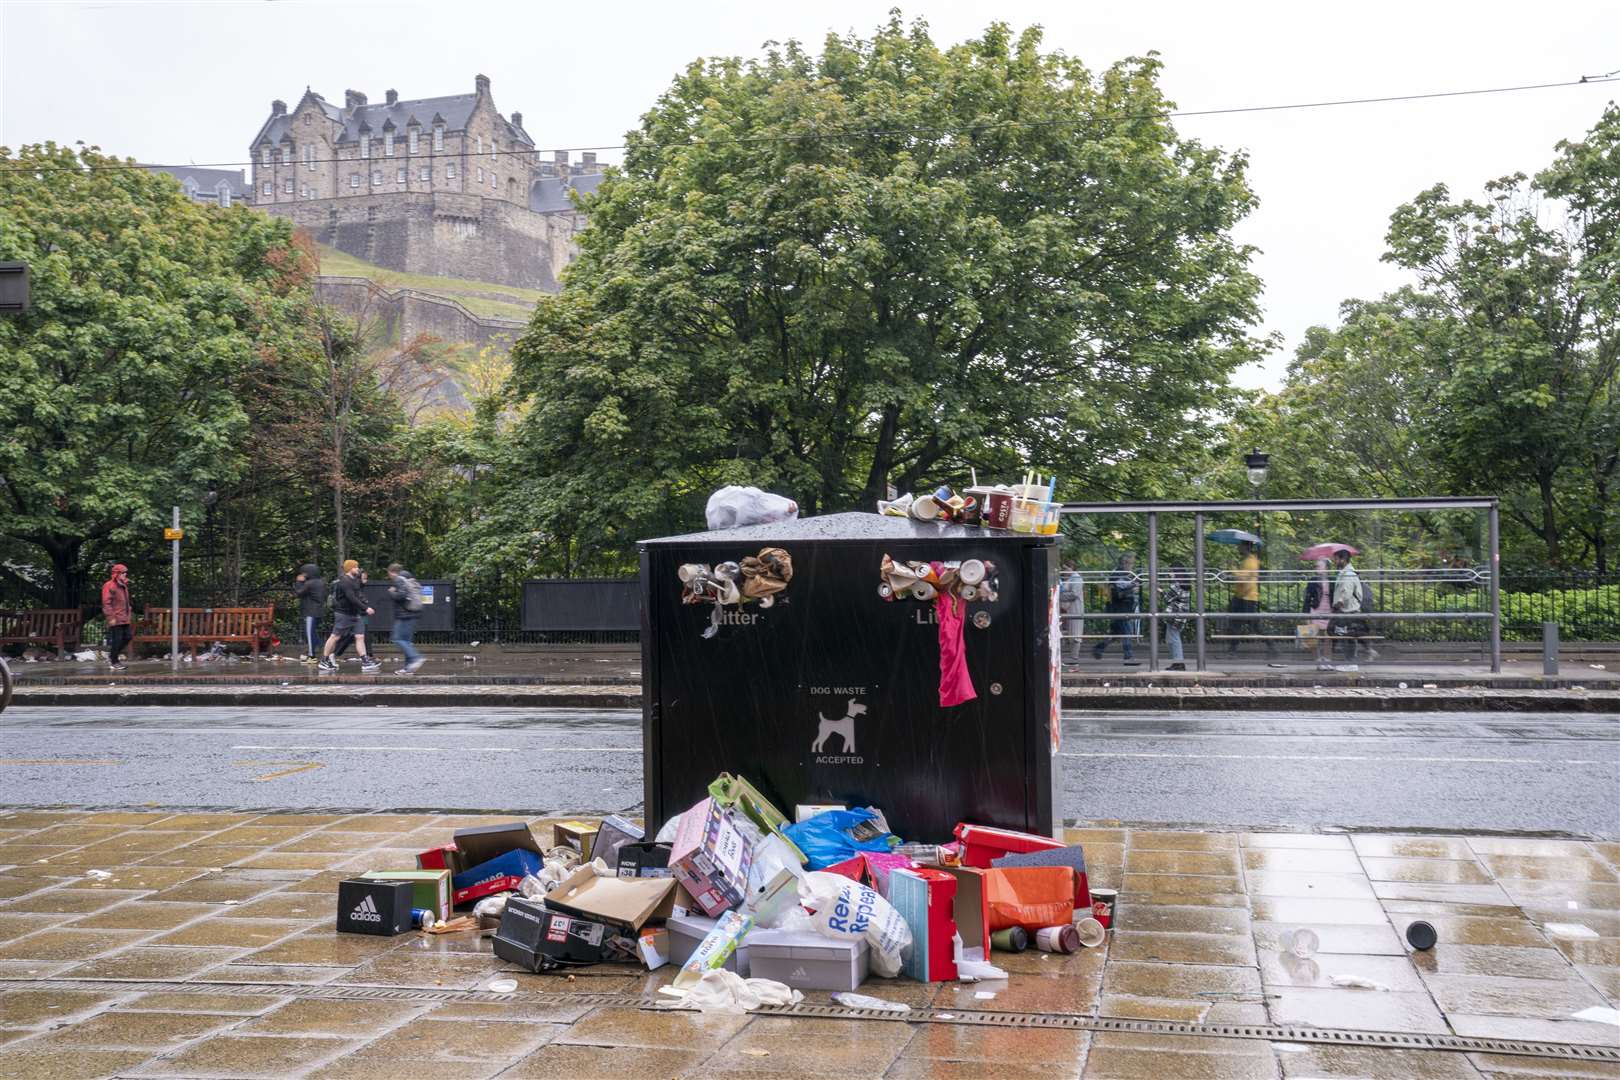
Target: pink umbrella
[(1326, 551)]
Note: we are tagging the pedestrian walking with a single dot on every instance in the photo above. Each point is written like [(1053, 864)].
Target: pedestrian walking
[(349, 617), (1123, 599), (115, 608), (1175, 602), (310, 589), (1319, 602), (1071, 605), (1246, 598), (406, 592), (1347, 601)]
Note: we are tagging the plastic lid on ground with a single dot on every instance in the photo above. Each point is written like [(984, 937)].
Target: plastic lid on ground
[(853, 527)]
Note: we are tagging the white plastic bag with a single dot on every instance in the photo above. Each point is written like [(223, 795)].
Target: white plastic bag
[(846, 909), (727, 992), (734, 507)]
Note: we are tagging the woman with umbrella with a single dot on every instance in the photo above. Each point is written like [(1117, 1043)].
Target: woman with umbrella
[(1245, 586)]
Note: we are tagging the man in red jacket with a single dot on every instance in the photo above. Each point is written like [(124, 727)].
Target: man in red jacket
[(115, 608)]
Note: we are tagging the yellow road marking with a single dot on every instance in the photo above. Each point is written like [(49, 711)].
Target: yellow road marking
[(308, 765), (54, 761)]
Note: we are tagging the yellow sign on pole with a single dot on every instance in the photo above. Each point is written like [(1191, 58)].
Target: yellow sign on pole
[(174, 534)]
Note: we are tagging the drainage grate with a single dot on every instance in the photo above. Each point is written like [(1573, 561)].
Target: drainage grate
[(1382, 1040)]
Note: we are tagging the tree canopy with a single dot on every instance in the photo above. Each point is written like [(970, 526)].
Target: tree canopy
[(878, 265)]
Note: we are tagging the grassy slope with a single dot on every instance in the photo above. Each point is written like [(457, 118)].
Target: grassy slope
[(519, 306)]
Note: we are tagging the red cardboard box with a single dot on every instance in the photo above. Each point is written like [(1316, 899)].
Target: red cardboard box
[(972, 908), (1033, 897), (439, 858), (982, 843), (926, 899)]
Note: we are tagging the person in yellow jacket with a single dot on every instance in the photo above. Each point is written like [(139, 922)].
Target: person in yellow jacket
[(1246, 597)]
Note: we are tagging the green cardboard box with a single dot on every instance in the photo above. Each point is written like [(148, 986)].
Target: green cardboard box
[(432, 888)]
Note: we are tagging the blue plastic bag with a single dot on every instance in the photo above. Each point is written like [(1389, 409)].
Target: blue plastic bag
[(831, 836)]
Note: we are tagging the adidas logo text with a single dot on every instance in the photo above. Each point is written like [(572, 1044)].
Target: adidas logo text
[(799, 973), (366, 911)]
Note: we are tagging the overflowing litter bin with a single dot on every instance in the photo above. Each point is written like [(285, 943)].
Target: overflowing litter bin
[(821, 676)]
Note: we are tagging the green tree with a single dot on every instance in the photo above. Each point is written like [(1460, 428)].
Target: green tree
[(882, 265), (118, 388)]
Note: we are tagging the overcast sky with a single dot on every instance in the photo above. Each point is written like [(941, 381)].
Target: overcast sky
[(178, 82)]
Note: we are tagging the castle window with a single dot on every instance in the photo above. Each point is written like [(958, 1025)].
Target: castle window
[(450, 171), (308, 119), (478, 144), (224, 196), (264, 155), (400, 179), (269, 188), (286, 153), (376, 178), (426, 175), (309, 157), (365, 146), (492, 149), (354, 180), (388, 144), (411, 140), (288, 187), (492, 182), (303, 192), (480, 174), (438, 138)]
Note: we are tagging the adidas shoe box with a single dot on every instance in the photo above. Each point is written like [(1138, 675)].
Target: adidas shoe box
[(374, 907), (808, 961), (536, 938)]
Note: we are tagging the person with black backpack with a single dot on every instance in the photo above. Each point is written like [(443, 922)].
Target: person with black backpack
[(310, 589), (1350, 597), (406, 592)]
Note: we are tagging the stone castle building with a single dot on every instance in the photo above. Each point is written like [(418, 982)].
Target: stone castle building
[(444, 185)]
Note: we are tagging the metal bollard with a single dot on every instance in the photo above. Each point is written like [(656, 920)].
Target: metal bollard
[(1549, 648)]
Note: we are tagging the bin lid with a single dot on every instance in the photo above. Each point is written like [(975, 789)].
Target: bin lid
[(851, 527)]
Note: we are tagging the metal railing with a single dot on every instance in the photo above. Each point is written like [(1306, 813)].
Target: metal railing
[(1198, 616)]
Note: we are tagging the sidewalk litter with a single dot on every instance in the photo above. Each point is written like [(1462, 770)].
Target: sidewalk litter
[(750, 908)]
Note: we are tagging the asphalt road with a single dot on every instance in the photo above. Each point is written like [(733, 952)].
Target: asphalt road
[(1554, 773)]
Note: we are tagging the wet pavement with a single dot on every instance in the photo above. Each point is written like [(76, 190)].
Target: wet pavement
[(1444, 771), (209, 952)]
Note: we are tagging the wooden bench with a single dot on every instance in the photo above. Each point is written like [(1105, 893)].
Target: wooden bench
[(204, 626), (50, 626)]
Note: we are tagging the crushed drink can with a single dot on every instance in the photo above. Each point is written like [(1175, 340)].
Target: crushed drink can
[(422, 918)]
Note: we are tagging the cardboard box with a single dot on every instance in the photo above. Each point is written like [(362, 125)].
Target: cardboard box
[(501, 874), (733, 792), (574, 834), (972, 908), (432, 887), (613, 834), (438, 858), (982, 843), (716, 950), (643, 859), (808, 961), (485, 842), (653, 946), (1072, 857), (382, 908), (1033, 897), (804, 812), (926, 899), (538, 939), (624, 903), (686, 933), (711, 858)]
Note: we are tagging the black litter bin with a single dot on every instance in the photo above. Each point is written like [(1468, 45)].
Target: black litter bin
[(831, 694), (438, 606)]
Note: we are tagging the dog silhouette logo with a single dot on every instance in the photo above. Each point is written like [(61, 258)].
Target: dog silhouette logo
[(844, 728)]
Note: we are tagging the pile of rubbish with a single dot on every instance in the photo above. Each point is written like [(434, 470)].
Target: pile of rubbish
[(756, 578), (1025, 508), (752, 908)]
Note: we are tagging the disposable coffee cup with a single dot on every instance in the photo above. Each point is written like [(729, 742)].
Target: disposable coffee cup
[(924, 508), (1091, 932), (1058, 939), (691, 570), (1014, 939), (971, 571), (1102, 906)]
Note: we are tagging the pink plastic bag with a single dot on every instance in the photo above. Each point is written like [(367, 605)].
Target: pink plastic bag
[(955, 685)]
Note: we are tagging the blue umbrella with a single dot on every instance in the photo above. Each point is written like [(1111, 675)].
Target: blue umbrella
[(1235, 536)]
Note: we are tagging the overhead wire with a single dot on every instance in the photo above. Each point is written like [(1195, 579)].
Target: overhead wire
[(860, 133)]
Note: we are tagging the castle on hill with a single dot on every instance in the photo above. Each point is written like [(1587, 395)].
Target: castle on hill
[(442, 185)]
